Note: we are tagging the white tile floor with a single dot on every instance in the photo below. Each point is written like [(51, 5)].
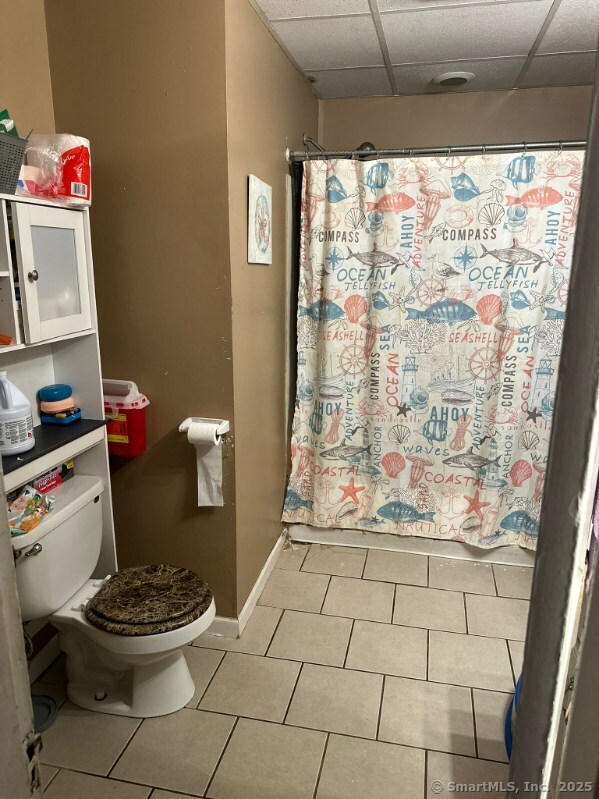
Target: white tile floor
[(359, 674)]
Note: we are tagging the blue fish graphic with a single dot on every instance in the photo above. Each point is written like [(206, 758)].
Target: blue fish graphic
[(519, 300), (464, 188), (322, 311), (553, 313), (293, 501), (335, 190), (448, 311), (435, 430), (377, 176), (521, 169), (519, 521), (401, 513)]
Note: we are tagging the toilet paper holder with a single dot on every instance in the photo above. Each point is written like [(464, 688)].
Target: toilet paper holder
[(223, 426)]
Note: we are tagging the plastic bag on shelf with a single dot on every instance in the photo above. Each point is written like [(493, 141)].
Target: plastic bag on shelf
[(57, 167)]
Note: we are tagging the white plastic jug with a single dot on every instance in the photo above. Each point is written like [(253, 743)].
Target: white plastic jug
[(16, 421)]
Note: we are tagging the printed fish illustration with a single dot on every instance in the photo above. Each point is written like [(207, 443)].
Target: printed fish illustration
[(436, 231), (516, 255), (335, 191), (448, 311), (377, 176), (519, 300), (470, 460), (521, 169), (400, 513), (471, 525), (536, 198), (554, 313), (344, 452), (377, 259), (520, 521), (322, 311), (395, 203), (293, 501), (435, 430), (448, 271), (464, 188)]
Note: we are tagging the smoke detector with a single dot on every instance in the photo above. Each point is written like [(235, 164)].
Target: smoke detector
[(453, 78)]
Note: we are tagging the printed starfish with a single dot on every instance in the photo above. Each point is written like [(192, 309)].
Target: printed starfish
[(351, 490), (399, 300), (533, 415), (402, 410), (539, 302), (475, 505)]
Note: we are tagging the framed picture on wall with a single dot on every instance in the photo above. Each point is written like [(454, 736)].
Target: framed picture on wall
[(259, 221)]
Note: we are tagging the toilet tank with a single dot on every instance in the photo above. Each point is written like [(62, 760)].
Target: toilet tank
[(61, 553)]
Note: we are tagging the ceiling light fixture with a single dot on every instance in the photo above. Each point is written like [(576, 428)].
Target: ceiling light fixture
[(453, 78)]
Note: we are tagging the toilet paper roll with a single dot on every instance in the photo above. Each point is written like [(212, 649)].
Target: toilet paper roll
[(207, 442)]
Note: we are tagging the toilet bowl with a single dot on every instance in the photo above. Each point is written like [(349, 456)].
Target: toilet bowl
[(132, 674)]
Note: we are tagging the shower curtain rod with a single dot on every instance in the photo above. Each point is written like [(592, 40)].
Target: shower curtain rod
[(410, 152)]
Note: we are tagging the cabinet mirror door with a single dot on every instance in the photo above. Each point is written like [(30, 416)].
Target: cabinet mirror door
[(52, 263)]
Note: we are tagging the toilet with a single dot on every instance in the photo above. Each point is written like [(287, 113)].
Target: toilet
[(123, 635)]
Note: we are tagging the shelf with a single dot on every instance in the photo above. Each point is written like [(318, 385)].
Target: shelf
[(16, 347), (53, 444)]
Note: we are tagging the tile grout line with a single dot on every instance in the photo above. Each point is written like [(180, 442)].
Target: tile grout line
[(124, 749), (299, 674), (474, 722), (216, 670), (324, 598), (380, 713), (324, 754), (351, 632), (465, 611), (509, 654), (222, 754), (495, 580), (428, 649), (425, 772), (274, 632)]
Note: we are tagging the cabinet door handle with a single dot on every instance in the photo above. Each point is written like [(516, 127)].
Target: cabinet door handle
[(33, 276)]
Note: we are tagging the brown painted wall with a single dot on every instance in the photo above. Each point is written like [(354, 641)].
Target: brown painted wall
[(457, 118), (24, 70), (144, 80), (269, 106)]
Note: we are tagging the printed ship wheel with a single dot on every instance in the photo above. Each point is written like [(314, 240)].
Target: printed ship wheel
[(483, 363), (452, 163), (562, 292), (353, 360), (430, 291)]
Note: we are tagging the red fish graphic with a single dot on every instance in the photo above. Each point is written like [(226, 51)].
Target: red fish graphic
[(396, 202), (536, 198)]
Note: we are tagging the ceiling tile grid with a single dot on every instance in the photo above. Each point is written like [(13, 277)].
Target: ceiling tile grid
[(362, 48)]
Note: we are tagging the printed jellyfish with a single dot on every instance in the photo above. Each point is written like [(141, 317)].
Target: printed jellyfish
[(464, 188), (491, 214), (393, 463), (488, 308), (399, 433), (355, 218), (418, 461), (335, 191), (520, 472), (506, 339), (371, 334), (529, 440), (355, 307), (434, 191), (540, 483)]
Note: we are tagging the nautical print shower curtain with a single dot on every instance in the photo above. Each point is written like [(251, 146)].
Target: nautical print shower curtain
[(432, 298)]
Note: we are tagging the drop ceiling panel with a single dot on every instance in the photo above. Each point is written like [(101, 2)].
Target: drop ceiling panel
[(452, 33), (331, 43), (353, 82), (401, 5), (500, 73), (283, 9), (565, 69), (574, 27)]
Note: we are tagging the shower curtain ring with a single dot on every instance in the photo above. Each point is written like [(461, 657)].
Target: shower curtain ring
[(524, 146), (484, 149), (561, 146)]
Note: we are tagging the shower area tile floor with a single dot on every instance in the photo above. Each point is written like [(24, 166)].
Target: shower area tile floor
[(360, 673)]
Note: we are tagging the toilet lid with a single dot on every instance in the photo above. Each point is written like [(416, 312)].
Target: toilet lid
[(145, 600)]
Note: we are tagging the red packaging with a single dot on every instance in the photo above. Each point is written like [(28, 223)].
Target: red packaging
[(76, 174)]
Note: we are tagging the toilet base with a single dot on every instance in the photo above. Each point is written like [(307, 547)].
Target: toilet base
[(154, 689)]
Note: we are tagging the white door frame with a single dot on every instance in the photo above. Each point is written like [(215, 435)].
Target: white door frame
[(19, 764), (567, 506)]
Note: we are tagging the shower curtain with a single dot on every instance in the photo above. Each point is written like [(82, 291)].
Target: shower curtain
[(432, 296)]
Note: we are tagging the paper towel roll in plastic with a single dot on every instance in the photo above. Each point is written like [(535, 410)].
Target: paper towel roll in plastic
[(207, 442)]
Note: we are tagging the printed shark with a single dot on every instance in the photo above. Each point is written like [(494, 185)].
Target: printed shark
[(377, 259), (344, 452), (516, 255), (469, 460)]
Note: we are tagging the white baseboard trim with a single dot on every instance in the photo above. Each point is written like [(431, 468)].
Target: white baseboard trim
[(506, 556), (230, 627), (44, 658)]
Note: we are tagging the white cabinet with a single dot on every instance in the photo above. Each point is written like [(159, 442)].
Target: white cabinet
[(53, 271)]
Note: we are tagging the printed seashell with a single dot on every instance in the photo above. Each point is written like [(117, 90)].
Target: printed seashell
[(528, 440), (399, 433), (355, 307), (491, 214), (520, 472), (393, 463), (355, 218), (488, 307)]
